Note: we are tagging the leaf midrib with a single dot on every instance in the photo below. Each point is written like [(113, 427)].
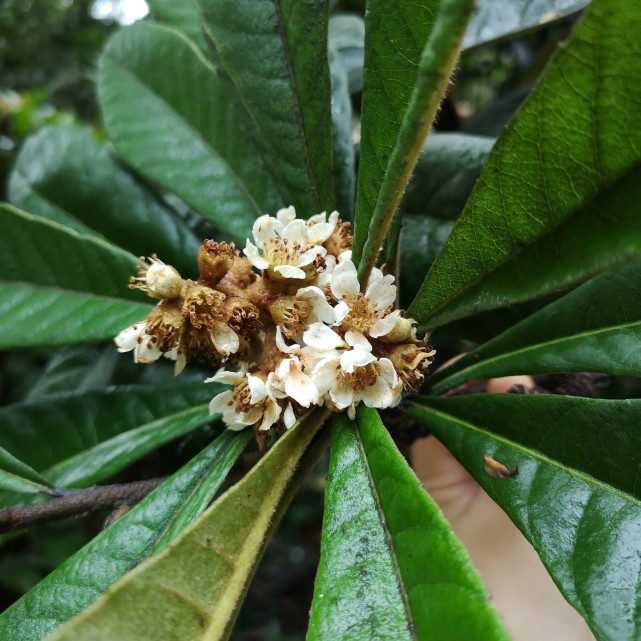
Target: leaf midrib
[(443, 384), (538, 456), (388, 537)]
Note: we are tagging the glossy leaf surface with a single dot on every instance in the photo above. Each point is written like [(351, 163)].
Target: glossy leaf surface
[(195, 585), (555, 201), (59, 287), (63, 173), (275, 52), (576, 496), (389, 561), (495, 19), (595, 328), (174, 119), (401, 95), (157, 519), (87, 437)]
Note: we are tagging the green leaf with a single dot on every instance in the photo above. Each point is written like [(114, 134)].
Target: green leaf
[(181, 15), (155, 521), (193, 588), (401, 95), (595, 328), (275, 53), (441, 184), (448, 168), (343, 154), (556, 202), (389, 560), (495, 19), (16, 476), (85, 438), (175, 120), (64, 174), (576, 496), (59, 287)]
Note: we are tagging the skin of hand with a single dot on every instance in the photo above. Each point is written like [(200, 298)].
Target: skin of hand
[(521, 589)]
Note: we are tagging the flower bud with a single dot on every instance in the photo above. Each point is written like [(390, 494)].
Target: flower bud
[(404, 331), (214, 261), (163, 280)]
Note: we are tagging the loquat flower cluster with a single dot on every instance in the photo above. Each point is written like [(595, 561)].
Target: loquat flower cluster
[(291, 319)]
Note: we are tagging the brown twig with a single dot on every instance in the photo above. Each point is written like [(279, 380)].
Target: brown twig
[(72, 503)]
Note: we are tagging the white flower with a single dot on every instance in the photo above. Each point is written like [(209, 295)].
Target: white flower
[(366, 312), (295, 384), (284, 245), (144, 345), (318, 229), (250, 402), (375, 383)]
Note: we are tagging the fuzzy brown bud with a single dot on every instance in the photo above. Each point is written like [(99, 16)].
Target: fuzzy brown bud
[(215, 260), (411, 361)]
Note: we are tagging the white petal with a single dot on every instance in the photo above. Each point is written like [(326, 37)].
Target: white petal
[(286, 215), (351, 411), (289, 418), (272, 414), (320, 232), (299, 386), (225, 339), (384, 325), (342, 397), (344, 280), (147, 350), (378, 395), (221, 402), (264, 228), (127, 339), (340, 312), (356, 358), (295, 232), (386, 370), (309, 256), (333, 218), (254, 257), (226, 377), (257, 388), (325, 373), (317, 218), (358, 341), (382, 292), (283, 346), (288, 271), (321, 309), (321, 337)]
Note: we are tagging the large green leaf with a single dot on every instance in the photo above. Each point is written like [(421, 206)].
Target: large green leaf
[(576, 496), (181, 15), (595, 328), (176, 121), (64, 174), (192, 589), (401, 94), (87, 437), (494, 19), (275, 52), (59, 287), (389, 561), (557, 199), (158, 518)]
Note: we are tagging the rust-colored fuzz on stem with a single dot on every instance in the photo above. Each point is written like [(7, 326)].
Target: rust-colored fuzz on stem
[(290, 316)]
